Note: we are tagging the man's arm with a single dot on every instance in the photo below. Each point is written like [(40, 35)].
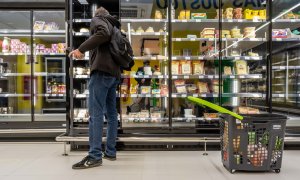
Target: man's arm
[(101, 35)]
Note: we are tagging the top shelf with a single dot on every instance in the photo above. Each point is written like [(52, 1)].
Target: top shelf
[(193, 20)]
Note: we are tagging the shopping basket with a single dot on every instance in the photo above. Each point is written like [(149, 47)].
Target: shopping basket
[(249, 142)]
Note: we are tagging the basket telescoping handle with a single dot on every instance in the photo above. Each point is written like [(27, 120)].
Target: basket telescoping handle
[(214, 106)]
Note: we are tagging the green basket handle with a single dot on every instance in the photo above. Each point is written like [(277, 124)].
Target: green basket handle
[(214, 106)]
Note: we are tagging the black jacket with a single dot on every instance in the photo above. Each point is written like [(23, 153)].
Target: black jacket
[(98, 45)]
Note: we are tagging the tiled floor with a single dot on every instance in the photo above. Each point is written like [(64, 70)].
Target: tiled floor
[(43, 161)]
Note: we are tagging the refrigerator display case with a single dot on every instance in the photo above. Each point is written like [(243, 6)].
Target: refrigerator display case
[(189, 48), (32, 58)]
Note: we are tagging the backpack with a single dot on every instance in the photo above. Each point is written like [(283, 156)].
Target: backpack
[(121, 50)]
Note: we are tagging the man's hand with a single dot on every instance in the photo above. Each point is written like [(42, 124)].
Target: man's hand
[(76, 54)]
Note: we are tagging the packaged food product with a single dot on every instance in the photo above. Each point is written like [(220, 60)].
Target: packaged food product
[(38, 25), (248, 14), (186, 67), (227, 70), (179, 82), (175, 67), (236, 33), (51, 26), (124, 89), (249, 32), (211, 115), (241, 67), (202, 87), (215, 85), (5, 45), (145, 89), (148, 70), (191, 88), (198, 67), (279, 33), (155, 91), (248, 110), (133, 89), (181, 89), (158, 15), (238, 13), (208, 33), (228, 13), (199, 16), (149, 30), (140, 30), (164, 90), (263, 14)]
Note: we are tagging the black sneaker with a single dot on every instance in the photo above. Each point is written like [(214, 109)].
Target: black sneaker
[(87, 162), (111, 158)]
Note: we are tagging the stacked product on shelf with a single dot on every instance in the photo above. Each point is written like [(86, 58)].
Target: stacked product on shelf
[(45, 26)]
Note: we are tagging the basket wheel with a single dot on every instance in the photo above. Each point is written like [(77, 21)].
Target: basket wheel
[(277, 170), (232, 171)]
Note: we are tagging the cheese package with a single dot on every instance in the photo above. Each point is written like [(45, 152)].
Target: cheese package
[(124, 89), (133, 89), (225, 34), (199, 16), (249, 32), (175, 67), (236, 33), (186, 67), (208, 33), (241, 67), (145, 89), (227, 70), (198, 67), (38, 25), (202, 87), (248, 110), (215, 86)]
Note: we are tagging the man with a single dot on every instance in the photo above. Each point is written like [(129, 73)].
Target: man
[(105, 75)]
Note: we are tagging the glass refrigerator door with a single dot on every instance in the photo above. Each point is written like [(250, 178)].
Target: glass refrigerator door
[(49, 99), (144, 90), (286, 61), (15, 67), (244, 46), (194, 64)]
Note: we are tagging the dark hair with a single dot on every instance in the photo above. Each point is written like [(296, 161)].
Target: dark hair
[(101, 11)]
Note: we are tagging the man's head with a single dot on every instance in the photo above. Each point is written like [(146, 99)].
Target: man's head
[(101, 11)]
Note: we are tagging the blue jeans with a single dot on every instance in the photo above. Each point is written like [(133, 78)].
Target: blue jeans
[(102, 100)]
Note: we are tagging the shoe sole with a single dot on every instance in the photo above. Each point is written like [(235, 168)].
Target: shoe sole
[(87, 167), (110, 159)]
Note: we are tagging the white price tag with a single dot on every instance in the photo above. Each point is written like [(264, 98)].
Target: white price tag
[(236, 58), (187, 58), (157, 95), (211, 39), (153, 58), (281, 95), (232, 77), (133, 95), (242, 77), (240, 39), (195, 95), (61, 95), (177, 39), (278, 39), (157, 20), (186, 77), (174, 58), (198, 20), (143, 119), (192, 39), (256, 58), (210, 77), (203, 95), (239, 20), (160, 76), (174, 95), (247, 58), (293, 20), (184, 20), (201, 77), (157, 34), (148, 95), (184, 95), (146, 76), (175, 77), (281, 67), (230, 20), (138, 33)]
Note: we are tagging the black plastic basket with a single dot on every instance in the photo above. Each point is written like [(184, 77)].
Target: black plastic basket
[(253, 144)]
